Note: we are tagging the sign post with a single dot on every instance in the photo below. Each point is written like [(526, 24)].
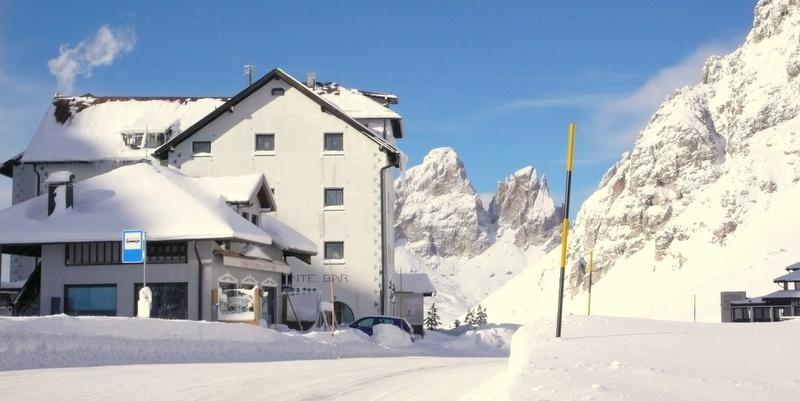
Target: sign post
[(134, 250)]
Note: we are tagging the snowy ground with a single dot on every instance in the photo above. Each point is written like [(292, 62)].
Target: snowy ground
[(63, 341), (407, 378), (603, 358)]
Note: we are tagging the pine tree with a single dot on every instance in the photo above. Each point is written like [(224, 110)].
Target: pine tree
[(432, 321), (481, 317), (456, 323), (470, 318)]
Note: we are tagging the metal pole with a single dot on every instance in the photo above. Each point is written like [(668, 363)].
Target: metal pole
[(565, 226), (694, 308), (144, 259), (591, 269)]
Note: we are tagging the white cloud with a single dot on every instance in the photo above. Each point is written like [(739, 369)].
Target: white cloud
[(108, 44)]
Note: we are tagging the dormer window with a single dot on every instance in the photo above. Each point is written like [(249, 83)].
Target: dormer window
[(200, 148), (138, 139), (277, 91)]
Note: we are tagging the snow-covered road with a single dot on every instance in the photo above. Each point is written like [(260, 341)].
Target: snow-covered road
[(406, 378)]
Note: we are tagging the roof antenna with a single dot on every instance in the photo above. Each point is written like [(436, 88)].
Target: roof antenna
[(248, 70)]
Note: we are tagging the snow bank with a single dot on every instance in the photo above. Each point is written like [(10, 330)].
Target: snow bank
[(390, 336), (602, 358), (64, 341)]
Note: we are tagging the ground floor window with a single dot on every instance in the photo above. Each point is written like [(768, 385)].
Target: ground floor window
[(170, 300), (761, 314), (344, 315), (90, 300), (780, 312), (741, 315), (268, 297)]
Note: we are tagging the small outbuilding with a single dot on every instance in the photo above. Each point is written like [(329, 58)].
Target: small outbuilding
[(774, 307)]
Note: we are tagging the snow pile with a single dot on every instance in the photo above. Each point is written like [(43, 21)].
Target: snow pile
[(603, 358), (63, 341), (705, 202), (489, 339), (390, 336)]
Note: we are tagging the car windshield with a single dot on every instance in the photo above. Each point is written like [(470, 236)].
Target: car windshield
[(366, 322)]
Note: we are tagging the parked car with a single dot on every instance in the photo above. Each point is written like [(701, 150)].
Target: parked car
[(365, 324)]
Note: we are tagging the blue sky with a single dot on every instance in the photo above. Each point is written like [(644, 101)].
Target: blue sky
[(496, 81)]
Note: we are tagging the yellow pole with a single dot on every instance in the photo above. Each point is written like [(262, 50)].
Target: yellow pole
[(565, 225)]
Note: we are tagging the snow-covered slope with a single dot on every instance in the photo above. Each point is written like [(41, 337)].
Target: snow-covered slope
[(705, 202), (443, 229), (603, 358)]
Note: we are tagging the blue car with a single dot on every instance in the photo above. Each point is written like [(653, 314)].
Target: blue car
[(365, 324)]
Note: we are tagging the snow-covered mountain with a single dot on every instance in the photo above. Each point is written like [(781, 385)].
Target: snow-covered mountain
[(443, 229), (707, 200)]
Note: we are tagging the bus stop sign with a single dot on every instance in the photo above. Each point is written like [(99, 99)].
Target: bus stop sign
[(133, 246)]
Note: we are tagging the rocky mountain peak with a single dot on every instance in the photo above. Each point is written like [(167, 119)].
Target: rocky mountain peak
[(522, 208), (437, 211)]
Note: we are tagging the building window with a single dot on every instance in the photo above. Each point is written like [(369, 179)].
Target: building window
[(761, 314), (167, 252), (93, 253), (254, 219), (334, 250), (334, 197), (265, 142), (277, 91), (334, 142), (201, 148), (741, 315), (170, 300), (344, 315), (90, 300)]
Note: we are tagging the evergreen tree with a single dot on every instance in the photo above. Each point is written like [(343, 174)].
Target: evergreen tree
[(470, 318), (432, 321), (456, 323), (481, 317)]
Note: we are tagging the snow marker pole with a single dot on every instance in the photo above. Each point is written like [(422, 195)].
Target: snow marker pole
[(565, 226)]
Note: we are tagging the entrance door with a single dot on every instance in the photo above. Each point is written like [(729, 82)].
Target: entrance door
[(268, 304)]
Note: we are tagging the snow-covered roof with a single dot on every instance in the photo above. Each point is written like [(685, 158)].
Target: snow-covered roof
[(354, 102), (793, 276), (793, 267), (783, 294), (418, 283), (164, 203), (85, 128), (286, 237), (238, 189)]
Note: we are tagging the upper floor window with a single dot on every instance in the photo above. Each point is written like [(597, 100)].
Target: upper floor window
[(277, 91), (108, 253), (254, 219), (334, 250), (265, 142), (139, 139), (334, 142), (334, 197), (201, 147)]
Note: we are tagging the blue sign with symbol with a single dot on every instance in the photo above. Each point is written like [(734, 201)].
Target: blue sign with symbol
[(133, 244)]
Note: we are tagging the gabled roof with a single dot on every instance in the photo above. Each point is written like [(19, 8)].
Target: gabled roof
[(277, 73), (286, 237), (7, 168), (89, 128), (165, 203), (239, 189), (794, 275)]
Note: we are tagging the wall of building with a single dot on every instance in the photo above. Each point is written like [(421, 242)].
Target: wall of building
[(298, 171), (56, 274)]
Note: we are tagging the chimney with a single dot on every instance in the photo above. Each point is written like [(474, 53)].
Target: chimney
[(311, 79), (59, 190)]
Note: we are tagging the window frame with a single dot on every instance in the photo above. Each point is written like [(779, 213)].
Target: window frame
[(325, 205), (67, 287), (195, 153), (258, 151), (325, 149), (326, 254)]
